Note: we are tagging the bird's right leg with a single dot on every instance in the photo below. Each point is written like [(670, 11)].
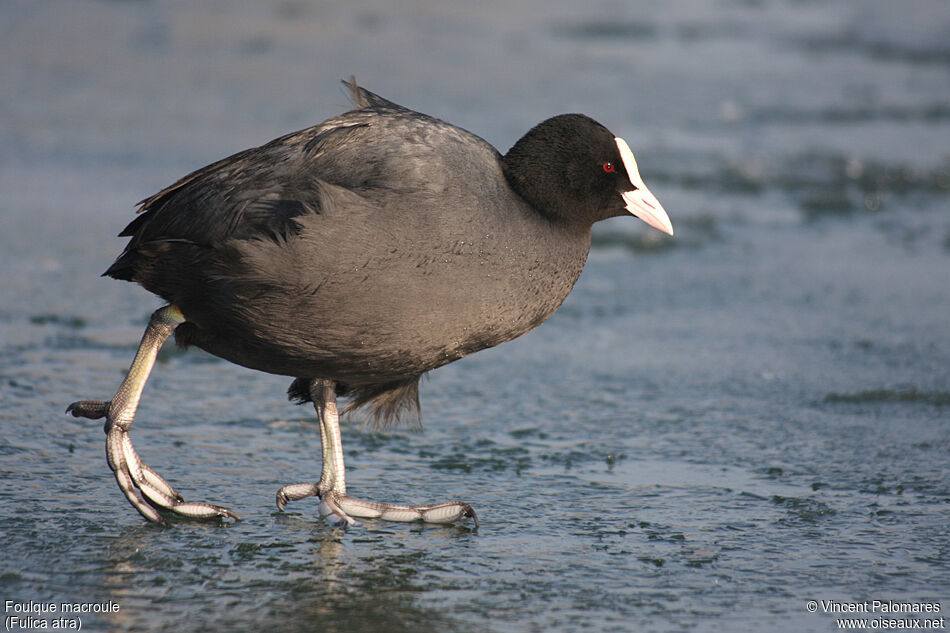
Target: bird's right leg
[(338, 507), (132, 474)]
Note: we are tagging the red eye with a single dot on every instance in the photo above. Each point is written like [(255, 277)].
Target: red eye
[(608, 167)]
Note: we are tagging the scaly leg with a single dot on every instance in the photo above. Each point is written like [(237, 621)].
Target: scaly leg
[(132, 474), (335, 505)]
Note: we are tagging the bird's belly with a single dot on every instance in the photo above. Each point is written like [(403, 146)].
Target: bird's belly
[(395, 324)]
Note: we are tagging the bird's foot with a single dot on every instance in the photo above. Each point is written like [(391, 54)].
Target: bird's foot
[(135, 477), (145, 489), (341, 509)]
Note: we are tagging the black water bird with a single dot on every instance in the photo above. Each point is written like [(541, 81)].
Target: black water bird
[(357, 255)]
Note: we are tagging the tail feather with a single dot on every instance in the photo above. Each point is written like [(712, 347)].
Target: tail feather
[(363, 98), (386, 404)]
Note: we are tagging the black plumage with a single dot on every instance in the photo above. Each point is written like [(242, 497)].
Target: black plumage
[(372, 248), (357, 255)]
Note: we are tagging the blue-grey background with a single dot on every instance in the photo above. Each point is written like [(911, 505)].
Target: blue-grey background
[(713, 429)]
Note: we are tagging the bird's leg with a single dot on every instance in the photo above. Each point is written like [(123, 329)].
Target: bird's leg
[(335, 505), (132, 474)]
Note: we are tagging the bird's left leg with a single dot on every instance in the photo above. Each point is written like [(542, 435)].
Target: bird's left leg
[(335, 505), (131, 473)]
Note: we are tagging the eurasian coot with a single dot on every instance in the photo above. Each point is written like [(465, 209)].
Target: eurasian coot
[(357, 255)]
